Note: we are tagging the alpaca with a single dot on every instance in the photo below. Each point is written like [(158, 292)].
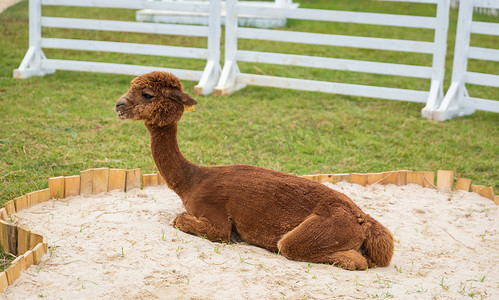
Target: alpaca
[(301, 219)]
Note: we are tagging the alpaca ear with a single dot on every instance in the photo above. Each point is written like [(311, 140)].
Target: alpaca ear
[(185, 99)]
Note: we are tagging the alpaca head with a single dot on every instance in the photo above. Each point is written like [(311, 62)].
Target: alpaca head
[(155, 97)]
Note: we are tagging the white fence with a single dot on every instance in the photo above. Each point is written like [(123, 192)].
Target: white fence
[(457, 101), (163, 16), (35, 63), (232, 79)]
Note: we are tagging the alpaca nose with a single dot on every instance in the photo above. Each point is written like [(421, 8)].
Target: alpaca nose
[(120, 104)]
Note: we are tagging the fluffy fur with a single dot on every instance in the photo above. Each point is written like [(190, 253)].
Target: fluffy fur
[(302, 219)]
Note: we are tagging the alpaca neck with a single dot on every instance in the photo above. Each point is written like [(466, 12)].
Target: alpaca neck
[(177, 171)]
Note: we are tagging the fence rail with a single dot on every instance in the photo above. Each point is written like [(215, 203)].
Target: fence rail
[(124, 26), (484, 28), (100, 67), (134, 4), (120, 47), (340, 16), (336, 40), (334, 87), (334, 64)]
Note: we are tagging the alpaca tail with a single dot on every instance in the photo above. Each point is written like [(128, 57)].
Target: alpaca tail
[(378, 246)]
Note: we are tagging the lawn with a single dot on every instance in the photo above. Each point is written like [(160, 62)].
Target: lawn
[(63, 123)]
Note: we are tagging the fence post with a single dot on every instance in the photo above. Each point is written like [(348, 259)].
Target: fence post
[(212, 71), (228, 80), (436, 93), (35, 25), (31, 63), (451, 104)]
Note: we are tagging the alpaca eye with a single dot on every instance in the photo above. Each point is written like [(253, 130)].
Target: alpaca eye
[(147, 96)]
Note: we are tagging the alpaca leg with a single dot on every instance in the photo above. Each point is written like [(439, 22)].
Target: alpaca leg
[(202, 227), (326, 239), (350, 260)]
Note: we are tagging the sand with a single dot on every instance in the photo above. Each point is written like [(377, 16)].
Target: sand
[(121, 246), (4, 4)]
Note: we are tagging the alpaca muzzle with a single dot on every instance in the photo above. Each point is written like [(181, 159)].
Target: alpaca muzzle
[(120, 108)]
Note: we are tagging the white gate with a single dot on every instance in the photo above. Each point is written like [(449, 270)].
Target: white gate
[(232, 79), (175, 17), (35, 63), (457, 102)]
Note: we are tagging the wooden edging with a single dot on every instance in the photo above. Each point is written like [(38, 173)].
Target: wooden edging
[(29, 247), (444, 180), (26, 245)]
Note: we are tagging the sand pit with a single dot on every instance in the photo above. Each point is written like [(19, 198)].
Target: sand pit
[(121, 246)]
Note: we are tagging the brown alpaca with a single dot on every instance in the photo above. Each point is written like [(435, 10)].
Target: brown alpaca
[(302, 219)]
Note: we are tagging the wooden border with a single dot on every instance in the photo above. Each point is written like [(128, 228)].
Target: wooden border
[(4, 236), (429, 179), (43, 195), (484, 191), (463, 184), (56, 187), (132, 179), (23, 237), (4, 283), (100, 181), (29, 258), (35, 239), (117, 179), (21, 203), (149, 180), (373, 178), (10, 207), (20, 261), (445, 179), (415, 178), (32, 199), (389, 177), (38, 251), (30, 247), (345, 177), (310, 177), (358, 178), (325, 178), (402, 177), (9, 232), (86, 181), (14, 271), (71, 186), (3, 214)]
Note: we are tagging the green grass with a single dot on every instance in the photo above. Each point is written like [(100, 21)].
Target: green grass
[(5, 260), (63, 123)]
